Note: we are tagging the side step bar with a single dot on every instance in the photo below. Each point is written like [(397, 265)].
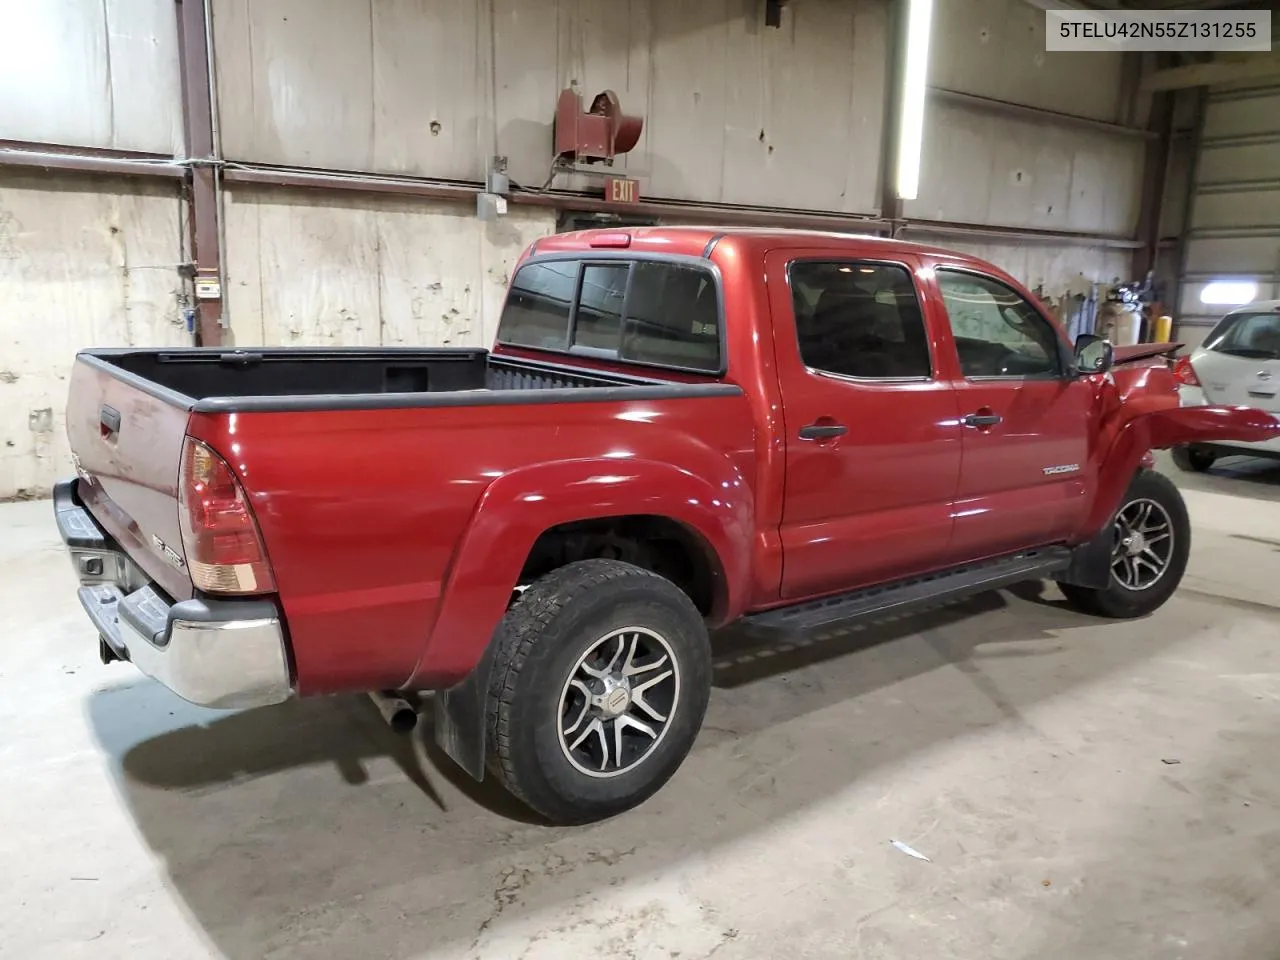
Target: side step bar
[(923, 591)]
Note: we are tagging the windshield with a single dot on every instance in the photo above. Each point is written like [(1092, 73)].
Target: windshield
[(1253, 335)]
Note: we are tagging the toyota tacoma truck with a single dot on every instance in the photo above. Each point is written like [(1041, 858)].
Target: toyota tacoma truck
[(676, 429)]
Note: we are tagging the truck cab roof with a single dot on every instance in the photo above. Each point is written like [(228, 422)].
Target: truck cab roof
[(699, 241)]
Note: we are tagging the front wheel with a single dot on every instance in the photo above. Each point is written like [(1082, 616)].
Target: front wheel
[(1193, 459), (602, 673), (1151, 541)]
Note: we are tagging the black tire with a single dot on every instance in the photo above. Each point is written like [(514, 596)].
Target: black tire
[(540, 647), (1193, 459), (1118, 601)]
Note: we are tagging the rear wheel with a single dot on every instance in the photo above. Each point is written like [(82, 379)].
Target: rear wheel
[(1193, 459), (602, 674), (1151, 541)]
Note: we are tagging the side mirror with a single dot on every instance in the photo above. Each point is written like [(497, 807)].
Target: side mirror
[(1093, 354)]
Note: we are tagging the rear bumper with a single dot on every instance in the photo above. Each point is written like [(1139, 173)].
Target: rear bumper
[(215, 653), (1194, 397)]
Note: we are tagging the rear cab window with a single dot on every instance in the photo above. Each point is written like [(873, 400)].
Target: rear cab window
[(660, 313)]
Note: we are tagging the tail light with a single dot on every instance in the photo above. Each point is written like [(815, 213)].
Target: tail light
[(1184, 373), (224, 548)]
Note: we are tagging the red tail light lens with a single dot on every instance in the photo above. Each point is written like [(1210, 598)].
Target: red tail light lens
[(1184, 373), (224, 548)]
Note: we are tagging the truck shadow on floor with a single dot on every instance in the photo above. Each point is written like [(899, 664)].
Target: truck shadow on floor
[(287, 824)]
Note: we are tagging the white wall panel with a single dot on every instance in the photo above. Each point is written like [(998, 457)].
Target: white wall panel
[(983, 168), (95, 73), (735, 111), (1057, 270), (995, 48), (315, 269), (83, 262)]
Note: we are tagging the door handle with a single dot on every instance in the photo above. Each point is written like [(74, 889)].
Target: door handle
[(981, 419), (109, 420), (823, 431)]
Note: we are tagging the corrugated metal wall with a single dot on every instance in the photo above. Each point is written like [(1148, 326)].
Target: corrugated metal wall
[(1235, 207)]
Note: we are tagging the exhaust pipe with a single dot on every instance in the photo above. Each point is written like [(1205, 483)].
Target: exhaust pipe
[(400, 714)]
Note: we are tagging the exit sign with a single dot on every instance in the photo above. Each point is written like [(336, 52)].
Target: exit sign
[(622, 190)]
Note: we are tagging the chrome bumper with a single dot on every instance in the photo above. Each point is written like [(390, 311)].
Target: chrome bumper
[(216, 653)]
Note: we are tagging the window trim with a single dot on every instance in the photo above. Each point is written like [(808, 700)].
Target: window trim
[(931, 377), (1064, 371), (604, 257)]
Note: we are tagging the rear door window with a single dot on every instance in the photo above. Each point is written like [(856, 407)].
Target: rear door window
[(654, 312), (859, 319), (1255, 336)]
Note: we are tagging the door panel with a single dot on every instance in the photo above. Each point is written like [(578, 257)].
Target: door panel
[(872, 442), (1024, 480), (1025, 470)]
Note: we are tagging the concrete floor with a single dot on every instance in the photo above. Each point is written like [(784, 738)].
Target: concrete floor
[(1082, 790)]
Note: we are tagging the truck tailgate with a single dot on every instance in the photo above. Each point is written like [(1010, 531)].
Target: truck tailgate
[(126, 442)]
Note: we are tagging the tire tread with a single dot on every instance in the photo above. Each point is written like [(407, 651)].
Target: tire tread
[(529, 619)]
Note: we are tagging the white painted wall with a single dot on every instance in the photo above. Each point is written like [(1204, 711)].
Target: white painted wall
[(1056, 269), (91, 73), (995, 48), (313, 269), (981, 167), (735, 111), (83, 262)]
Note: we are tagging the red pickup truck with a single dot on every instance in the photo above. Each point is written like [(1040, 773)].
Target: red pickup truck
[(677, 428)]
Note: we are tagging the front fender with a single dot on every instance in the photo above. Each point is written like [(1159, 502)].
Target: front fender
[(518, 507), (1158, 430)]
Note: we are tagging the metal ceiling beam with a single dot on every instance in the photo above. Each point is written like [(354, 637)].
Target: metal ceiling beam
[(56, 156), (1036, 114)]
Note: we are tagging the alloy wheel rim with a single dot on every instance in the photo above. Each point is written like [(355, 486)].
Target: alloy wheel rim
[(1142, 546), (618, 702)]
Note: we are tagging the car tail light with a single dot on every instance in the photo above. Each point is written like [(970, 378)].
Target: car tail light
[(224, 548), (1184, 373)]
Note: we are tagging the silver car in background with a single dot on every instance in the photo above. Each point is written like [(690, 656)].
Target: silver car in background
[(1238, 364)]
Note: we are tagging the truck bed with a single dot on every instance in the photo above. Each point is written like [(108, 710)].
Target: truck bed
[(211, 381)]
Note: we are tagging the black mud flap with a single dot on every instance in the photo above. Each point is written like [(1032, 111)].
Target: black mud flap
[(1090, 564), (459, 718)]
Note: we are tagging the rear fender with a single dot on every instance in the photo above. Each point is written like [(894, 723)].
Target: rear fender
[(518, 507), (514, 511), (1158, 430)]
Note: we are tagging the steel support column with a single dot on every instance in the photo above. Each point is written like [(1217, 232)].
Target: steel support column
[(891, 207), (1155, 169), (202, 199)]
